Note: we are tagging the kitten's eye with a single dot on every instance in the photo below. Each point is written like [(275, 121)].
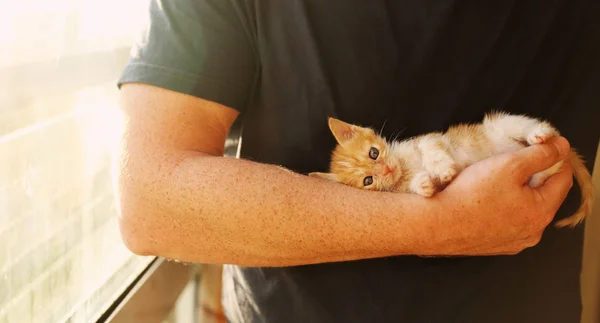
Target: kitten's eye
[(368, 180), (374, 153)]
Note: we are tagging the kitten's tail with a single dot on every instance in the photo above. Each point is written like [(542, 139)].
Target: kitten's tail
[(584, 179)]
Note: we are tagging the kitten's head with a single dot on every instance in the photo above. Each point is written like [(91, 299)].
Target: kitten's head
[(361, 159)]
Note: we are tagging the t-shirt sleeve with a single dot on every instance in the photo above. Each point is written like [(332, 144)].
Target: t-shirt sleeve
[(202, 48)]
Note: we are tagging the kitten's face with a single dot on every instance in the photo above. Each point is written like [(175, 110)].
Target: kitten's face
[(361, 159)]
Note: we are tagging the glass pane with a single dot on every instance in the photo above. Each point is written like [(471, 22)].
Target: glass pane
[(61, 256)]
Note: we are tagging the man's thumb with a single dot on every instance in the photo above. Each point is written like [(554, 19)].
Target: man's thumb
[(536, 158)]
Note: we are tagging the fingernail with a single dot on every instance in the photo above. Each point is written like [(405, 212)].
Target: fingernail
[(562, 146)]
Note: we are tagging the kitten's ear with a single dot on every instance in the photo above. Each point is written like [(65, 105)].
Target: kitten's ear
[(341, 130), (327, 176)]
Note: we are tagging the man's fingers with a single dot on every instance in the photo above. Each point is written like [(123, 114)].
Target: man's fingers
[(556, 188), (536, 158)]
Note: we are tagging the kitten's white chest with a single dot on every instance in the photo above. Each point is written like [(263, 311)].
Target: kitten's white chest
[(409, 154)]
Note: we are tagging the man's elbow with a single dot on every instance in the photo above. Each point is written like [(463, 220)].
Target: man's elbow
[(134, 234), (135, 223)]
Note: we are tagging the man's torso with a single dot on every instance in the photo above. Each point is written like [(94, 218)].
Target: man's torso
[(417, 66)]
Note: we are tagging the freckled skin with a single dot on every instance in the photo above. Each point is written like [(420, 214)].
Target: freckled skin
[(426, 164)]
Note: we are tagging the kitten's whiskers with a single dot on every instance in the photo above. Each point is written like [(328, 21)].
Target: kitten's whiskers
[(381, 131), (399, 133)]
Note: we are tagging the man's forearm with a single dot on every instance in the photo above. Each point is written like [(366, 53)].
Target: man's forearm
[(222, 210)]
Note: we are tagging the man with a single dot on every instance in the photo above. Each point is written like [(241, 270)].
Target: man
[(306, 250)]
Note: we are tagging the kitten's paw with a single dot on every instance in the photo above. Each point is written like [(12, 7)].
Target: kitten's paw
[(541, 134), (424, 185), (442, 167), (537, 180), (447, 174)]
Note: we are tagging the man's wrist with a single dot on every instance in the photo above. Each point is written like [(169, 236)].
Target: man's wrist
[(422, 229)]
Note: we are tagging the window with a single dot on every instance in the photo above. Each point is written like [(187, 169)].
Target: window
[(61, 255)]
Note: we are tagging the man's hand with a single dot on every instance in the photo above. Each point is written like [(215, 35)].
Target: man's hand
[(492, 210)]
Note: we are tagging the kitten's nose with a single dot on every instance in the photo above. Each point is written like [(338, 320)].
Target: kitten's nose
[(387, 170)]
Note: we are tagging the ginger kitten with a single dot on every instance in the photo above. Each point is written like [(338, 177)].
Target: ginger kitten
[(427, 163)]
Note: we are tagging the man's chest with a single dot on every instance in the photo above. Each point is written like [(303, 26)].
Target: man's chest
[(395, 57)]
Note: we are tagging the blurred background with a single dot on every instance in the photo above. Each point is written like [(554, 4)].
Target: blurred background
[(61, 256)]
